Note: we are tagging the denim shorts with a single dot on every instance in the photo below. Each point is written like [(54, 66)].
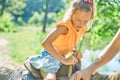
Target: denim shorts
[(45, 62)]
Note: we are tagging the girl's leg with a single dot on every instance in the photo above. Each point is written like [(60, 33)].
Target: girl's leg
[(50, 76), (19, 79)]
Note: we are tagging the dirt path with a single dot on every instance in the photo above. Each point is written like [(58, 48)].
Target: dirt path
[(3, 45), (8, 68), (5, 60), (3, 51)]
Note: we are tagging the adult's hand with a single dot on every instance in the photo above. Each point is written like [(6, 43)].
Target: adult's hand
[(81, 75)]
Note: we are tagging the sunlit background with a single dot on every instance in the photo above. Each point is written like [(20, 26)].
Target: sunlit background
[(25, 23)]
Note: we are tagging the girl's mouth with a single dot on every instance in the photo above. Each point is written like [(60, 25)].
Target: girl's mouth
[(79, 26)]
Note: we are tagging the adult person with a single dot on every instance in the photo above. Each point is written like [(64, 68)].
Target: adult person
[(107, 54)]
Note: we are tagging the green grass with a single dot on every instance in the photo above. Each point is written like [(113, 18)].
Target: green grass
[(24, 43)]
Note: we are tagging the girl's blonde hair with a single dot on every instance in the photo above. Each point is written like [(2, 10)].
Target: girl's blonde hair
[(78, 4)]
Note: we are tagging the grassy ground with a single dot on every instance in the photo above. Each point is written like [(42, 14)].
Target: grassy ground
[(26, 41)]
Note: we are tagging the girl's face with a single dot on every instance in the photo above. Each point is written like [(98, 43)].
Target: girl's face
[(80, 18)]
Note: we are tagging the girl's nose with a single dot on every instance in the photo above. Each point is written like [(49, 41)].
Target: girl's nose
[(81, 24)]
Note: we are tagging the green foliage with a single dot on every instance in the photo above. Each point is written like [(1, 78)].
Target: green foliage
[(32, 12), (24, 43), (20, 21), (60, 15), (52, 17), (41, 37), (106, 23), (15, 7), (57, 7), (6, 24), (36, 19)]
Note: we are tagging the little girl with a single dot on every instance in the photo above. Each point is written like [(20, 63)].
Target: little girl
[(63, 39)]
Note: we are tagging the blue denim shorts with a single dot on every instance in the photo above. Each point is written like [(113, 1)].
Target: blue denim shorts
[(45, 62)]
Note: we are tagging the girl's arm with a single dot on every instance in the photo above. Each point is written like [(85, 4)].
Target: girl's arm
[(47, 44)]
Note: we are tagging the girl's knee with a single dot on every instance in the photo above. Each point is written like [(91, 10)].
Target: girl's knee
[(50, 79), (50, 76)]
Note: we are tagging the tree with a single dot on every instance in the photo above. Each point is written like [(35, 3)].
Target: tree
[(45, 17), (12, 6), (105, 25), (2, 6), (49, 7)]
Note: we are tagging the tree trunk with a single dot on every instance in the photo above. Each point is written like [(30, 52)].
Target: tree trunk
[(45, 17), (3, 7)]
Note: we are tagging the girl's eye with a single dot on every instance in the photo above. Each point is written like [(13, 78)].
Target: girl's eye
[(78, 20)]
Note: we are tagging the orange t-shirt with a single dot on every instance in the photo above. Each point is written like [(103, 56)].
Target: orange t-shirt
[(66, 42)]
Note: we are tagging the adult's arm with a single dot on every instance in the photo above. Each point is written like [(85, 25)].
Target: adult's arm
[(107, 54)]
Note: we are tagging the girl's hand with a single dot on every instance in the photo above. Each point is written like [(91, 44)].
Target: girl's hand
[(70, 60), (78, 54)]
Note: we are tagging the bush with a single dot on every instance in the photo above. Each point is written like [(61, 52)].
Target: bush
[(6, 24), (36, 19)]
